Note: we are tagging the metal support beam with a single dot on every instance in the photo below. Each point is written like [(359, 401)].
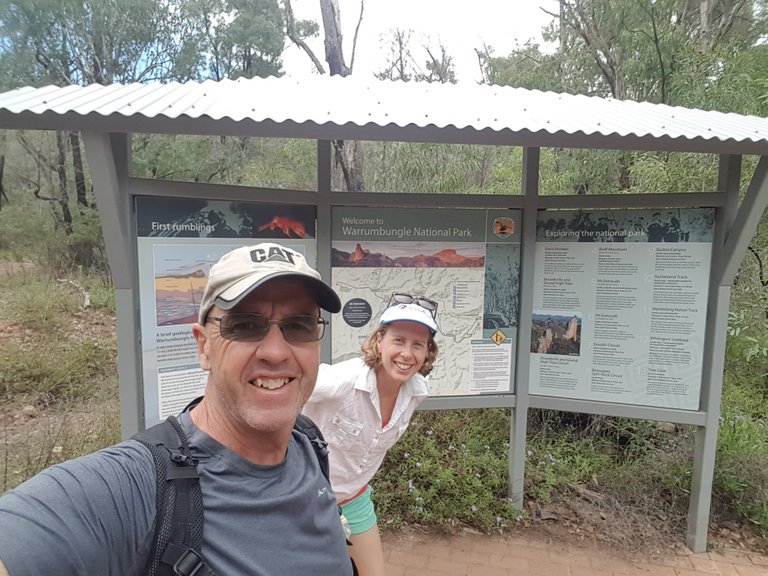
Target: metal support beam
[(745, 225), (706, 436), (324, 230), (519, 414), (108, 160), (699, 503)]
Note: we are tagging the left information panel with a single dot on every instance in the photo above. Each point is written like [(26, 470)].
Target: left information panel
[(178, 241)]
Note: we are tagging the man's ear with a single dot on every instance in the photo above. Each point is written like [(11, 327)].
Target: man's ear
[(203, 345)]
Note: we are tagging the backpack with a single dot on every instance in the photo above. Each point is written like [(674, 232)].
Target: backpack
[(177, 544)]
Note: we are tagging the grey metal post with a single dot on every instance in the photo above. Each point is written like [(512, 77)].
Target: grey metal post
[(324, 229), (108, 160), (705, 449), (519, 413), (735, 226), (706, 436)]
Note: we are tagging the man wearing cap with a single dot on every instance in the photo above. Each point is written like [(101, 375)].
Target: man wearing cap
[(268, 509), (363, 406)]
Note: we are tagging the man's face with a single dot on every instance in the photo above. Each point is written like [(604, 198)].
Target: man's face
[(262, 385)]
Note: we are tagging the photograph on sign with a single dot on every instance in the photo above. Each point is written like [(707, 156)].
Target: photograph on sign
[(468, 261), (620, 304)]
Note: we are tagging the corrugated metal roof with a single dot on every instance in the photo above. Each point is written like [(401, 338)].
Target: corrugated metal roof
[(333, 107)]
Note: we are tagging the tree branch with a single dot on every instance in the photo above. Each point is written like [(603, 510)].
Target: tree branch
[(354, 40), (763, 281), (40, 159), (290, 30)]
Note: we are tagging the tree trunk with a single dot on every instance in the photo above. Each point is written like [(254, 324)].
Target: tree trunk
[(334, 54), (61, 171), (705, 12), (77, 165), (624, 173), (349, 154), (2, 168)]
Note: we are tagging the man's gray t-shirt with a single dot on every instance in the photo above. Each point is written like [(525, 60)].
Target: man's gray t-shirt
[(95, 515)]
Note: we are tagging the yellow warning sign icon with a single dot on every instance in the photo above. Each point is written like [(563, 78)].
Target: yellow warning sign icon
[(498, 337)]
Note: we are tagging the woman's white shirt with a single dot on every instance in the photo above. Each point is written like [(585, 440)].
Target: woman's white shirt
[(345, 406)]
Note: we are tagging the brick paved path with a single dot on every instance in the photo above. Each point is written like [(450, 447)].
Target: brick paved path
[(477, 555)]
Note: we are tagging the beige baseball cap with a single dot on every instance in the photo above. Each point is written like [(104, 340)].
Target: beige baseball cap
[(241, 271)]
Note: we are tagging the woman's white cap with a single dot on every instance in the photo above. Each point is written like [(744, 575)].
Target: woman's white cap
[(411, 312)]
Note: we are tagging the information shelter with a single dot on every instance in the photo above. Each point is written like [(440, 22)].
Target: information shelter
[(611, 304)]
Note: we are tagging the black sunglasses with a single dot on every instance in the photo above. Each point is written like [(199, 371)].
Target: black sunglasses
[(246, 327), (426, 303)]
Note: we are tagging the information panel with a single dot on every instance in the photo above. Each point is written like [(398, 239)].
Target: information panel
[(620, 305), (178, 241), (467, 260)]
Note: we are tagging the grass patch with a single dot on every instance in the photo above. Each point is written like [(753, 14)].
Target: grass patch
[(32, 443), (449, 469), (741, 473), (35, 303), (55, 368)]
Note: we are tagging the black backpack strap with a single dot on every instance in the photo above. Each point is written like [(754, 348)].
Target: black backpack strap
[(307, 427), (177, 545)]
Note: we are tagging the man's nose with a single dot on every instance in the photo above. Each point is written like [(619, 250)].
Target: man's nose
[(273, 348)]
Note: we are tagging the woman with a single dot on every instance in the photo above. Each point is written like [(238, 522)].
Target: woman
[(363, 406)]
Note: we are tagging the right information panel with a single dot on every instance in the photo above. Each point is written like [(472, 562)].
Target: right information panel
[(620, 305)]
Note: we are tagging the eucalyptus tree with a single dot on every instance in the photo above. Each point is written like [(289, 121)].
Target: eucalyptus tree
[(82, 42), (703, 53), (637, 46), (348, 153), (235, 38)]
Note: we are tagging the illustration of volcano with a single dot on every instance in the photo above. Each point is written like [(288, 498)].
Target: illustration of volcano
[(362, 258), (289, 227)]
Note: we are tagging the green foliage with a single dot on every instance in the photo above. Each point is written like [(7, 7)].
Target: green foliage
[(655, 172), (29, 231), (50, 348), (741, 473), (727, 79), (82, 251), (526, 67), (450, 468), (104, 41), (658, 51), (55, 368), (235, 38), (745, 343), (554, 462), (74, 429), (270, 163), (433, 168), (37, 303)]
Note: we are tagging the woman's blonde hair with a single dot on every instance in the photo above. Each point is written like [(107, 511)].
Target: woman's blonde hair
[(372, 357)]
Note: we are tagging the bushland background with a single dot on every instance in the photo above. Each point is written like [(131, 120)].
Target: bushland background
[(621, 481)]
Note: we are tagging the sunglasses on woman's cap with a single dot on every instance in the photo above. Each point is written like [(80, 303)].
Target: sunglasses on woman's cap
[(426, 303)]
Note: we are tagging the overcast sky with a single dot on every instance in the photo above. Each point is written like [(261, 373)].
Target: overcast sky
[(461, 25)]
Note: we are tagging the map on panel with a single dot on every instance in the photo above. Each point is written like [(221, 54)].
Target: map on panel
[(451, 256)]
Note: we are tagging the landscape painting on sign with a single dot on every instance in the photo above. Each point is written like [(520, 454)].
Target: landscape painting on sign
[(181, 272), (407, 255)]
